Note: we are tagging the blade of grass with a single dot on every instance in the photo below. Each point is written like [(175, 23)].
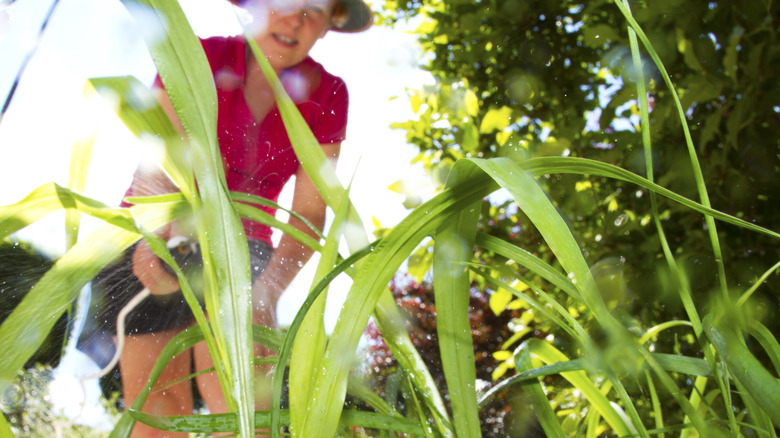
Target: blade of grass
[(762, 424), (180, 343), (584, 166), (292, 331), (51, 197), (140, 111), (5, 428), (80, 159), (453, 249), (27, 326), (658, 414), (655, 330), (358, 389), (697, 173), (767, 340), (308, 349), (745, 367), (215, 423), (580, 380), (685, 294), (532, 201), (386, 313), (573, 328), (542, 409), (369, 283), (756, 284), (530, 261), (185, 72), (262, 217), (538, 372), (695, 399)]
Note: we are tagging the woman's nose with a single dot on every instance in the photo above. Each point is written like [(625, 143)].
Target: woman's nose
[(294, 16)]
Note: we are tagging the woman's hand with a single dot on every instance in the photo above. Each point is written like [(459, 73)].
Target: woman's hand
[(290, 255), (150, 271), (265, 296)]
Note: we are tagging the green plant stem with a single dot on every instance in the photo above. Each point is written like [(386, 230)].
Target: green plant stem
[(633, 29)]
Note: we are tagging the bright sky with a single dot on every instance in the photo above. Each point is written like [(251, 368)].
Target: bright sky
[(94, 38)]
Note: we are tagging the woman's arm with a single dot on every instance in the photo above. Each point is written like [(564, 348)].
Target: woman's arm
[(149, 181), (290, 256)]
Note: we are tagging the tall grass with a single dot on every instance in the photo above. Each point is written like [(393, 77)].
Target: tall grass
[(320, 365)]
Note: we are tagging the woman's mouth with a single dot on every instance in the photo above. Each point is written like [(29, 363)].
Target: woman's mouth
[(285, 40)]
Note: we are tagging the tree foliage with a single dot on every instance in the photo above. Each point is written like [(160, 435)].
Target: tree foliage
[(525, 79), (536, 78)]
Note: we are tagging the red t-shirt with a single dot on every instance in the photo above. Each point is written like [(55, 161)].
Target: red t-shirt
[(258, 157)]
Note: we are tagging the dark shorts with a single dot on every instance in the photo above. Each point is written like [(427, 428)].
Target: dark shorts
[(116, 285)]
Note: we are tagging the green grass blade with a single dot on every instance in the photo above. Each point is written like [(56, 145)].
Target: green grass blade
[(573, 328), (676, 363), (580, 380), (633, 30), (530, 261), (286, 348), (245, 197), (369, 283), (699, 384), (535, 373), (669, 362), (453, 249), (216, 423), (756, 284), (5, 428), (387, 315), (49, 198), (767, 340), (532, 201), (180, 343), (358, 389), (658, 414), (185, 72), (761, 422), (80, 159), (652, 332), (309, 347), (696, 167), (262, 217), (764, 387), (24, 330), (583, 166), (141, 113), (542, 409)]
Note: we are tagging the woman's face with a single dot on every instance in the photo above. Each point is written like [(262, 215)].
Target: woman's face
[(293, 27)]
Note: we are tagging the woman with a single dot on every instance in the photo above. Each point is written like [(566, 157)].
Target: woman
[(258, 159)]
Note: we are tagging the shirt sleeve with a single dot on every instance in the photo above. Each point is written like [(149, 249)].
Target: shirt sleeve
[(332, 125)]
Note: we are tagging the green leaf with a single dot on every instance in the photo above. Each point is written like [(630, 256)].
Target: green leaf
[(499, 300), (80, 159), (453, 249), (470, 140), (542, 409), (496, 119), (744, 366), (308, 349), (26, 328), (581, 381), (215, 423), (329, 397), (471, 102), (186, 75)]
